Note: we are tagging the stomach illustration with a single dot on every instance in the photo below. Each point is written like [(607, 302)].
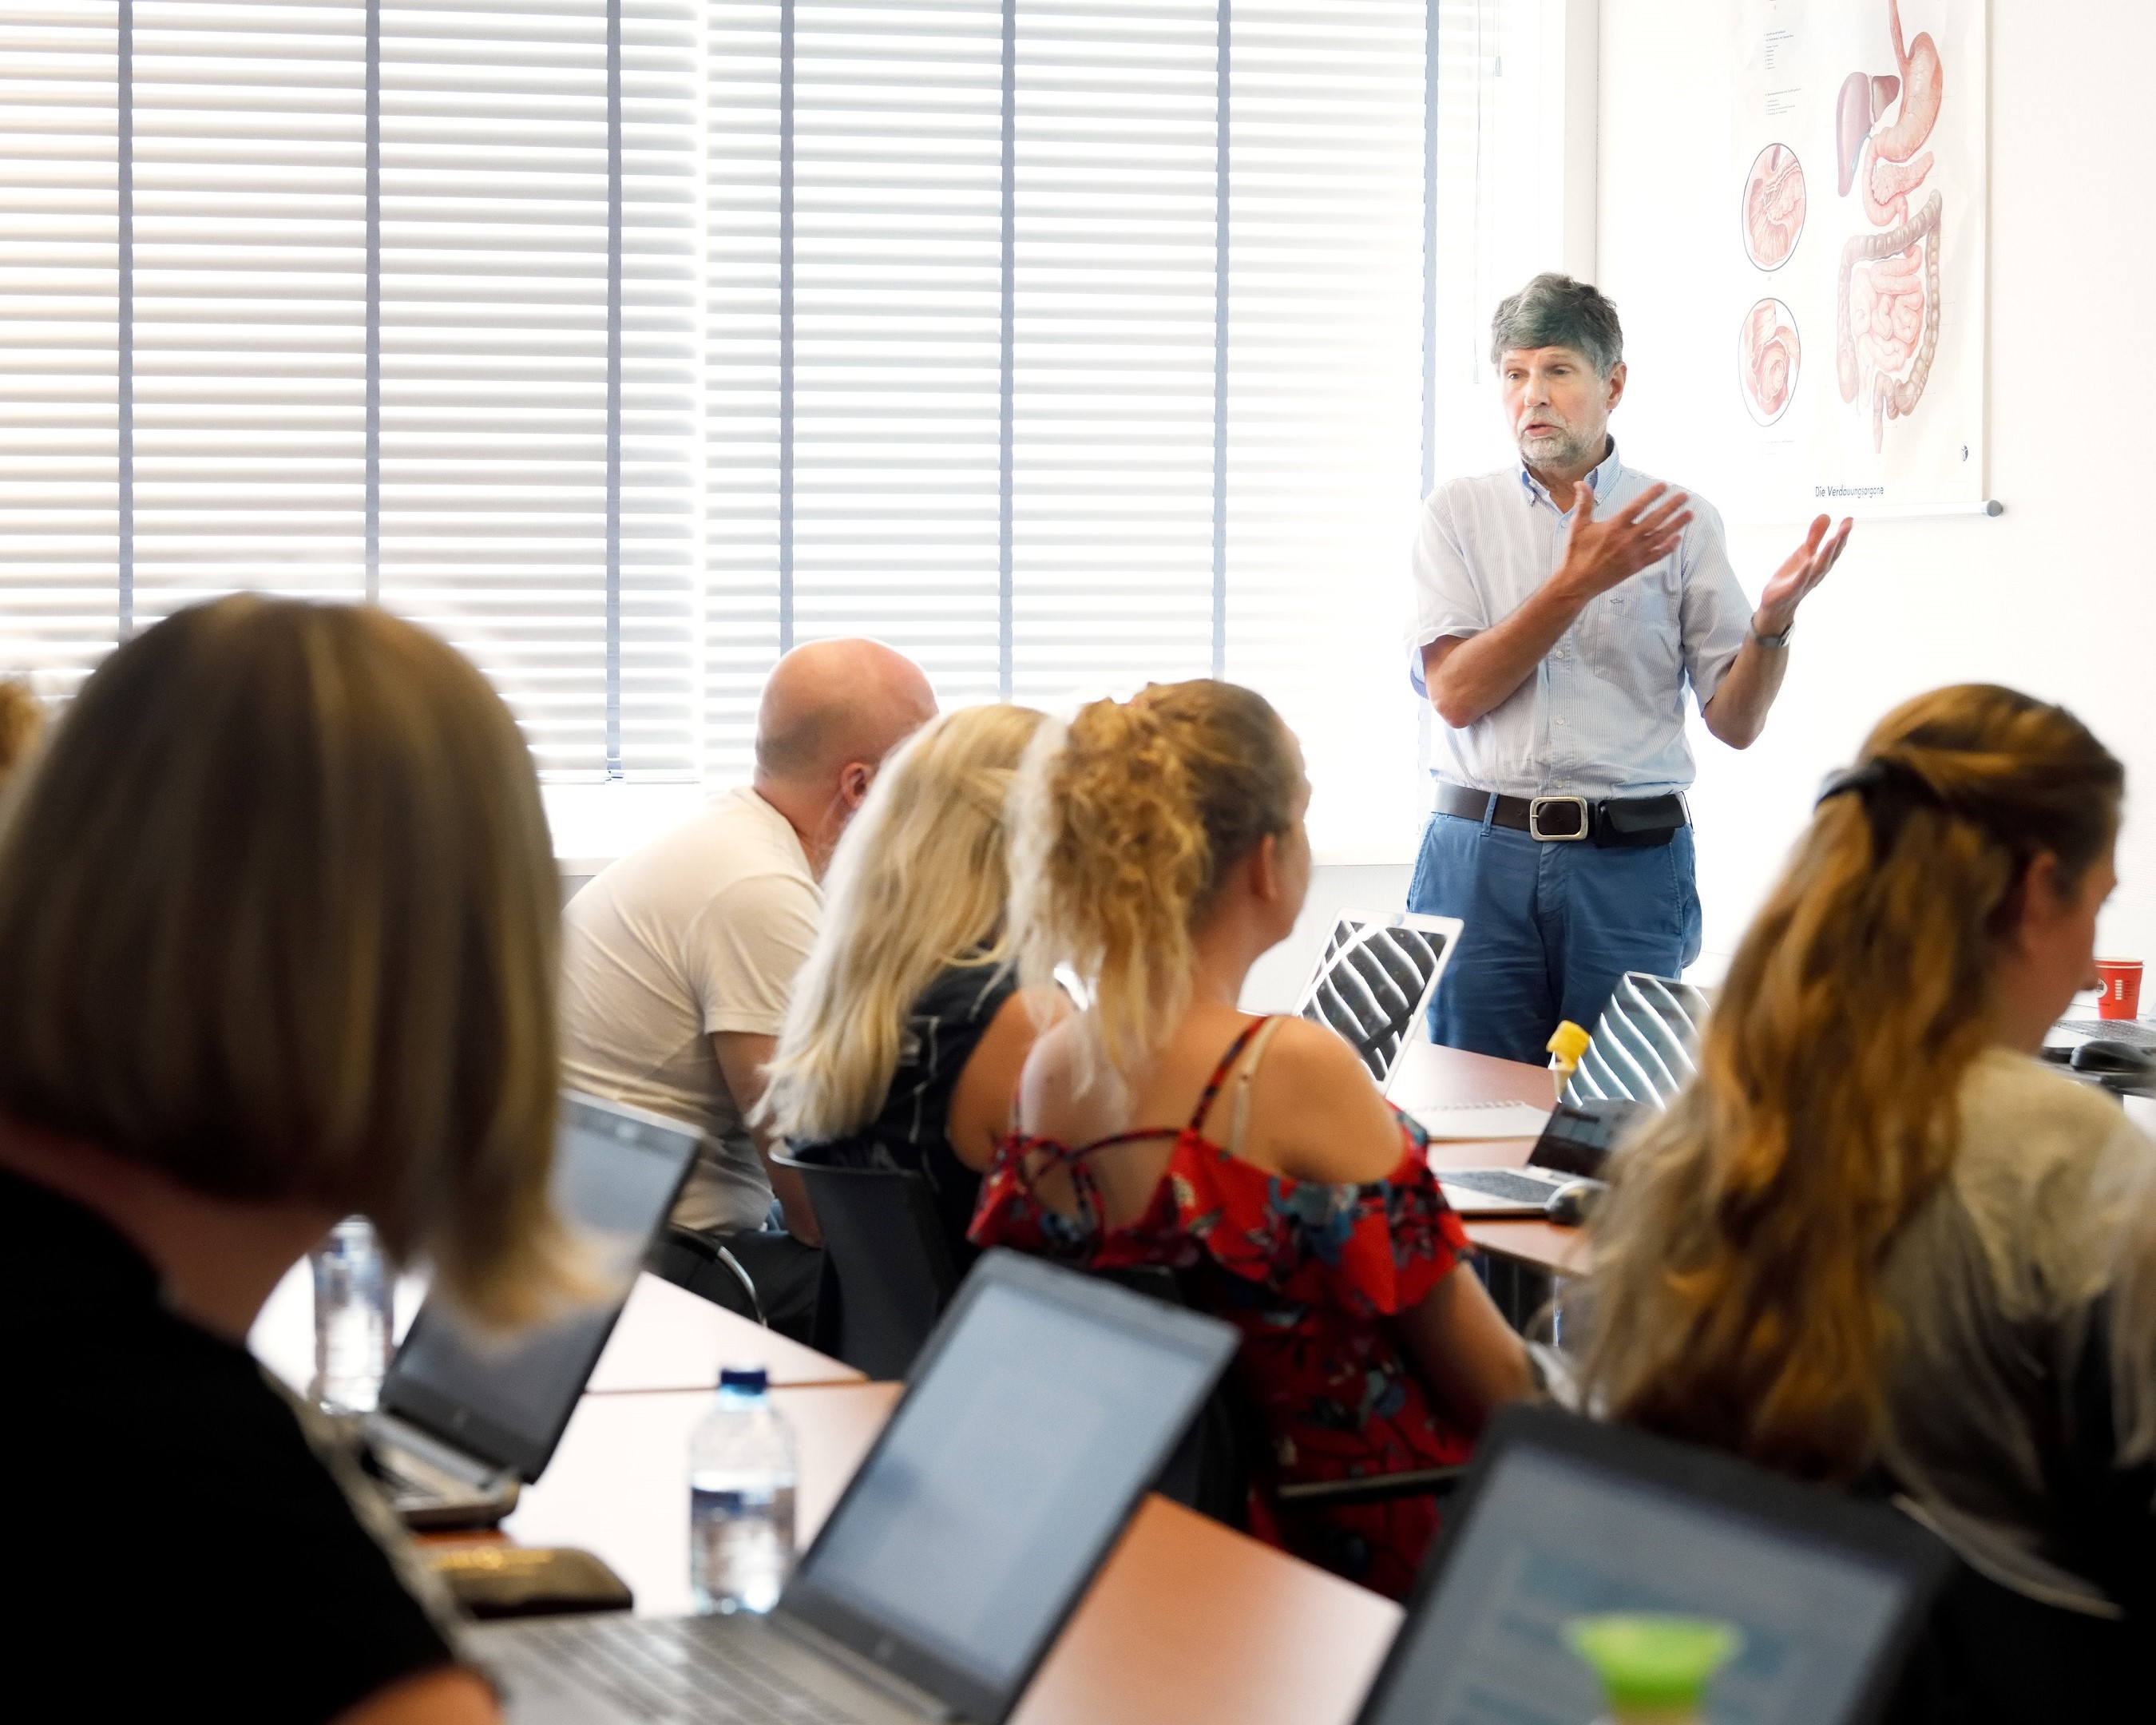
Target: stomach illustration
[(1774, 215), (1886, 290), (1767, 356)]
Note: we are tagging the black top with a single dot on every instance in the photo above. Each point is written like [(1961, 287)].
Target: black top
[(944, 1027), (183, 1537)]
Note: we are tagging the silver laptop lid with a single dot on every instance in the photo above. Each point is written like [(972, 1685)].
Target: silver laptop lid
[(1044, 1405), (506, 1399), (1565, 1517)]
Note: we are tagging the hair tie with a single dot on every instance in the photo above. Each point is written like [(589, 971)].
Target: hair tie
[(1889, 788)]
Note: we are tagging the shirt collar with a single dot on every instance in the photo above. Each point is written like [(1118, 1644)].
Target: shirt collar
[(1599, 481)]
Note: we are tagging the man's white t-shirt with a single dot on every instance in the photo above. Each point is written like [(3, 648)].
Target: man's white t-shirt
[(701, 931)]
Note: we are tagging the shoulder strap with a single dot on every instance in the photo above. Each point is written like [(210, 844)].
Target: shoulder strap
[(1220, 1073), (1242, 1116)]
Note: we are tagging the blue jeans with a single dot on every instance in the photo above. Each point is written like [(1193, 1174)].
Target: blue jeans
[(1546, 929)]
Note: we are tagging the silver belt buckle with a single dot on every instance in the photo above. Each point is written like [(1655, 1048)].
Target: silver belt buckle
[(1535, 807)]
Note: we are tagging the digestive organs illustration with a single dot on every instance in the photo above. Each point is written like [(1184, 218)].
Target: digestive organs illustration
[(1774, 206), (1767, 360), (1886, 308)]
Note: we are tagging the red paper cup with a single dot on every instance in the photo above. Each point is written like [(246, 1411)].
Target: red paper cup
[(2119, 980)]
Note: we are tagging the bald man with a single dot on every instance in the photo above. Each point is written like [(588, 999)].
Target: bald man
[(676, 961)]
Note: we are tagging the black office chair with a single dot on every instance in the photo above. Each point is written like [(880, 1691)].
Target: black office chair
[(1210, 1469), (887, 1269), (697, 1262), (1374, 980), (1643, 1047)]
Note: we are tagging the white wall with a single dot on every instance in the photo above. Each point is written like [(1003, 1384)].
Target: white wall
[(2054, 597)]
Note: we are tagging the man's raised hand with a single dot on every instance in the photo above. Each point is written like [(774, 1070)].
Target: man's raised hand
[(1600, 554), (1806, 567)]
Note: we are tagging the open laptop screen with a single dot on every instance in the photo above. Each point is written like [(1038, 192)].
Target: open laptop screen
[(1550, 1537), (1000, 1482), (506, 1398)]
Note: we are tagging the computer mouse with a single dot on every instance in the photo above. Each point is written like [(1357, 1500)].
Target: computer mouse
[(1572, 1202), (2101, 1056)]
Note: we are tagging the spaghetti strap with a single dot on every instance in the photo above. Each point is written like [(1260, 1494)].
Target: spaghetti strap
[(1241, 1119), (1220, 1073)]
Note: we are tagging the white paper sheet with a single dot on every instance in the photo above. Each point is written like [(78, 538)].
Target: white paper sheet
[(1483, 1120)]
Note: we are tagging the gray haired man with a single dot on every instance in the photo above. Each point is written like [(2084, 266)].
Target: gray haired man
[(1562, 605)]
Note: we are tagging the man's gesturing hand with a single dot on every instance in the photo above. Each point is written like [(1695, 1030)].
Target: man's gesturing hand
[(1805, 569), (1598, 554)]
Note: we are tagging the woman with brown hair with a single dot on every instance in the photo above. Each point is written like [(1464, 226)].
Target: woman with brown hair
[(1159, 850), (1876, 1240), (277, 916), (21, 721)]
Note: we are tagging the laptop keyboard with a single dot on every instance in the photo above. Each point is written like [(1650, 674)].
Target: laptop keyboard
[(662, 1670), (1499, 1182), (2131, 1031)]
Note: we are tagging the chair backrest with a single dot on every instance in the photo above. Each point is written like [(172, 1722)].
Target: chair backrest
[(1210, 1469), (1374, 979), (888, 1269), (1645, 1048)]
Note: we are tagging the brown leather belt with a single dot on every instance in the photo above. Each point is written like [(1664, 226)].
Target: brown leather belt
[(1616, 822)]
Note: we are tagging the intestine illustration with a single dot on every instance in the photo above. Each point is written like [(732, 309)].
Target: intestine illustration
[(1886, 302), (1774, 206), (1768, 356)]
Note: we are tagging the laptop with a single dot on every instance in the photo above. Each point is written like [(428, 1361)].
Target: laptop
[(465, 1417), (1641, 1055), (1041, 1408), (1562, 1518), (1575, 1145), (1374, 980)]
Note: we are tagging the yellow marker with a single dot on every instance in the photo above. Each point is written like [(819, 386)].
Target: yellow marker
[(1567, 1044)]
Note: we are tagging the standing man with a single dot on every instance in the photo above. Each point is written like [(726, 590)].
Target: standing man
[(1561, 607), (677, 960)]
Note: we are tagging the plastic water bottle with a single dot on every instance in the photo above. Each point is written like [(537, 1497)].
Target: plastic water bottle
[(354, 1323), (741, 1498)]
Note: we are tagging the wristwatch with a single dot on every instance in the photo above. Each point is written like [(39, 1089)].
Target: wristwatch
[(1780, 640)]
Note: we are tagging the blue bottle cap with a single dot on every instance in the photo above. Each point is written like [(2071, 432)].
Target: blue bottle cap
[(753, 1379)]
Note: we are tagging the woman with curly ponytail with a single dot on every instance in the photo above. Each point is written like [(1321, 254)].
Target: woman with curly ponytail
[(1157, 849), (1877, 1241)]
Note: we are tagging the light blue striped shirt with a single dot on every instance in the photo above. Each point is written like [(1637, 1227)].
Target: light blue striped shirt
[(1604, 713)]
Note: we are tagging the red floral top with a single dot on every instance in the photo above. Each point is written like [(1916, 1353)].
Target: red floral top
[(1312, 1275)]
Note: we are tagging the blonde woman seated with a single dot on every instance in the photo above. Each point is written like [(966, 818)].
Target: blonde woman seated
[(277, 914), (907, 1029), (1161, 850), (1878, 1241)]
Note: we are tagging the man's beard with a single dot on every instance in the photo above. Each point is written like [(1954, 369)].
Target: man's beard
[(1564, 449)]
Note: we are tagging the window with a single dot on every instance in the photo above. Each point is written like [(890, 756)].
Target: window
[(1064, 343)]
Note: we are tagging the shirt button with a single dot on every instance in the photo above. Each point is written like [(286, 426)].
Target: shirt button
[(1563, 721)]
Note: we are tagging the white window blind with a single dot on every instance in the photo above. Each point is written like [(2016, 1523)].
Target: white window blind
[(1495, 214), (1064, 343), (351, 300), (60, 445), (1067, 344), (1325, 320), (1117, 200), (538, 187), (247, 344)]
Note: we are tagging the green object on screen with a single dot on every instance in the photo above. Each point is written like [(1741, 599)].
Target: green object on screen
[(1652, 1663)]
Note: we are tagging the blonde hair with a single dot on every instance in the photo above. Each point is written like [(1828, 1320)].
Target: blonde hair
[(21, 721), (278, 916), (1735, 1298), (920, 883), (1127, 822)]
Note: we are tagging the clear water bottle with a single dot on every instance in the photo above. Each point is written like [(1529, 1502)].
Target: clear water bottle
[(741, 1498), (354, 1323)]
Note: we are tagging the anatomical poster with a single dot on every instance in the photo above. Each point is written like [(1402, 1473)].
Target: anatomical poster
[(1857, 247)]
